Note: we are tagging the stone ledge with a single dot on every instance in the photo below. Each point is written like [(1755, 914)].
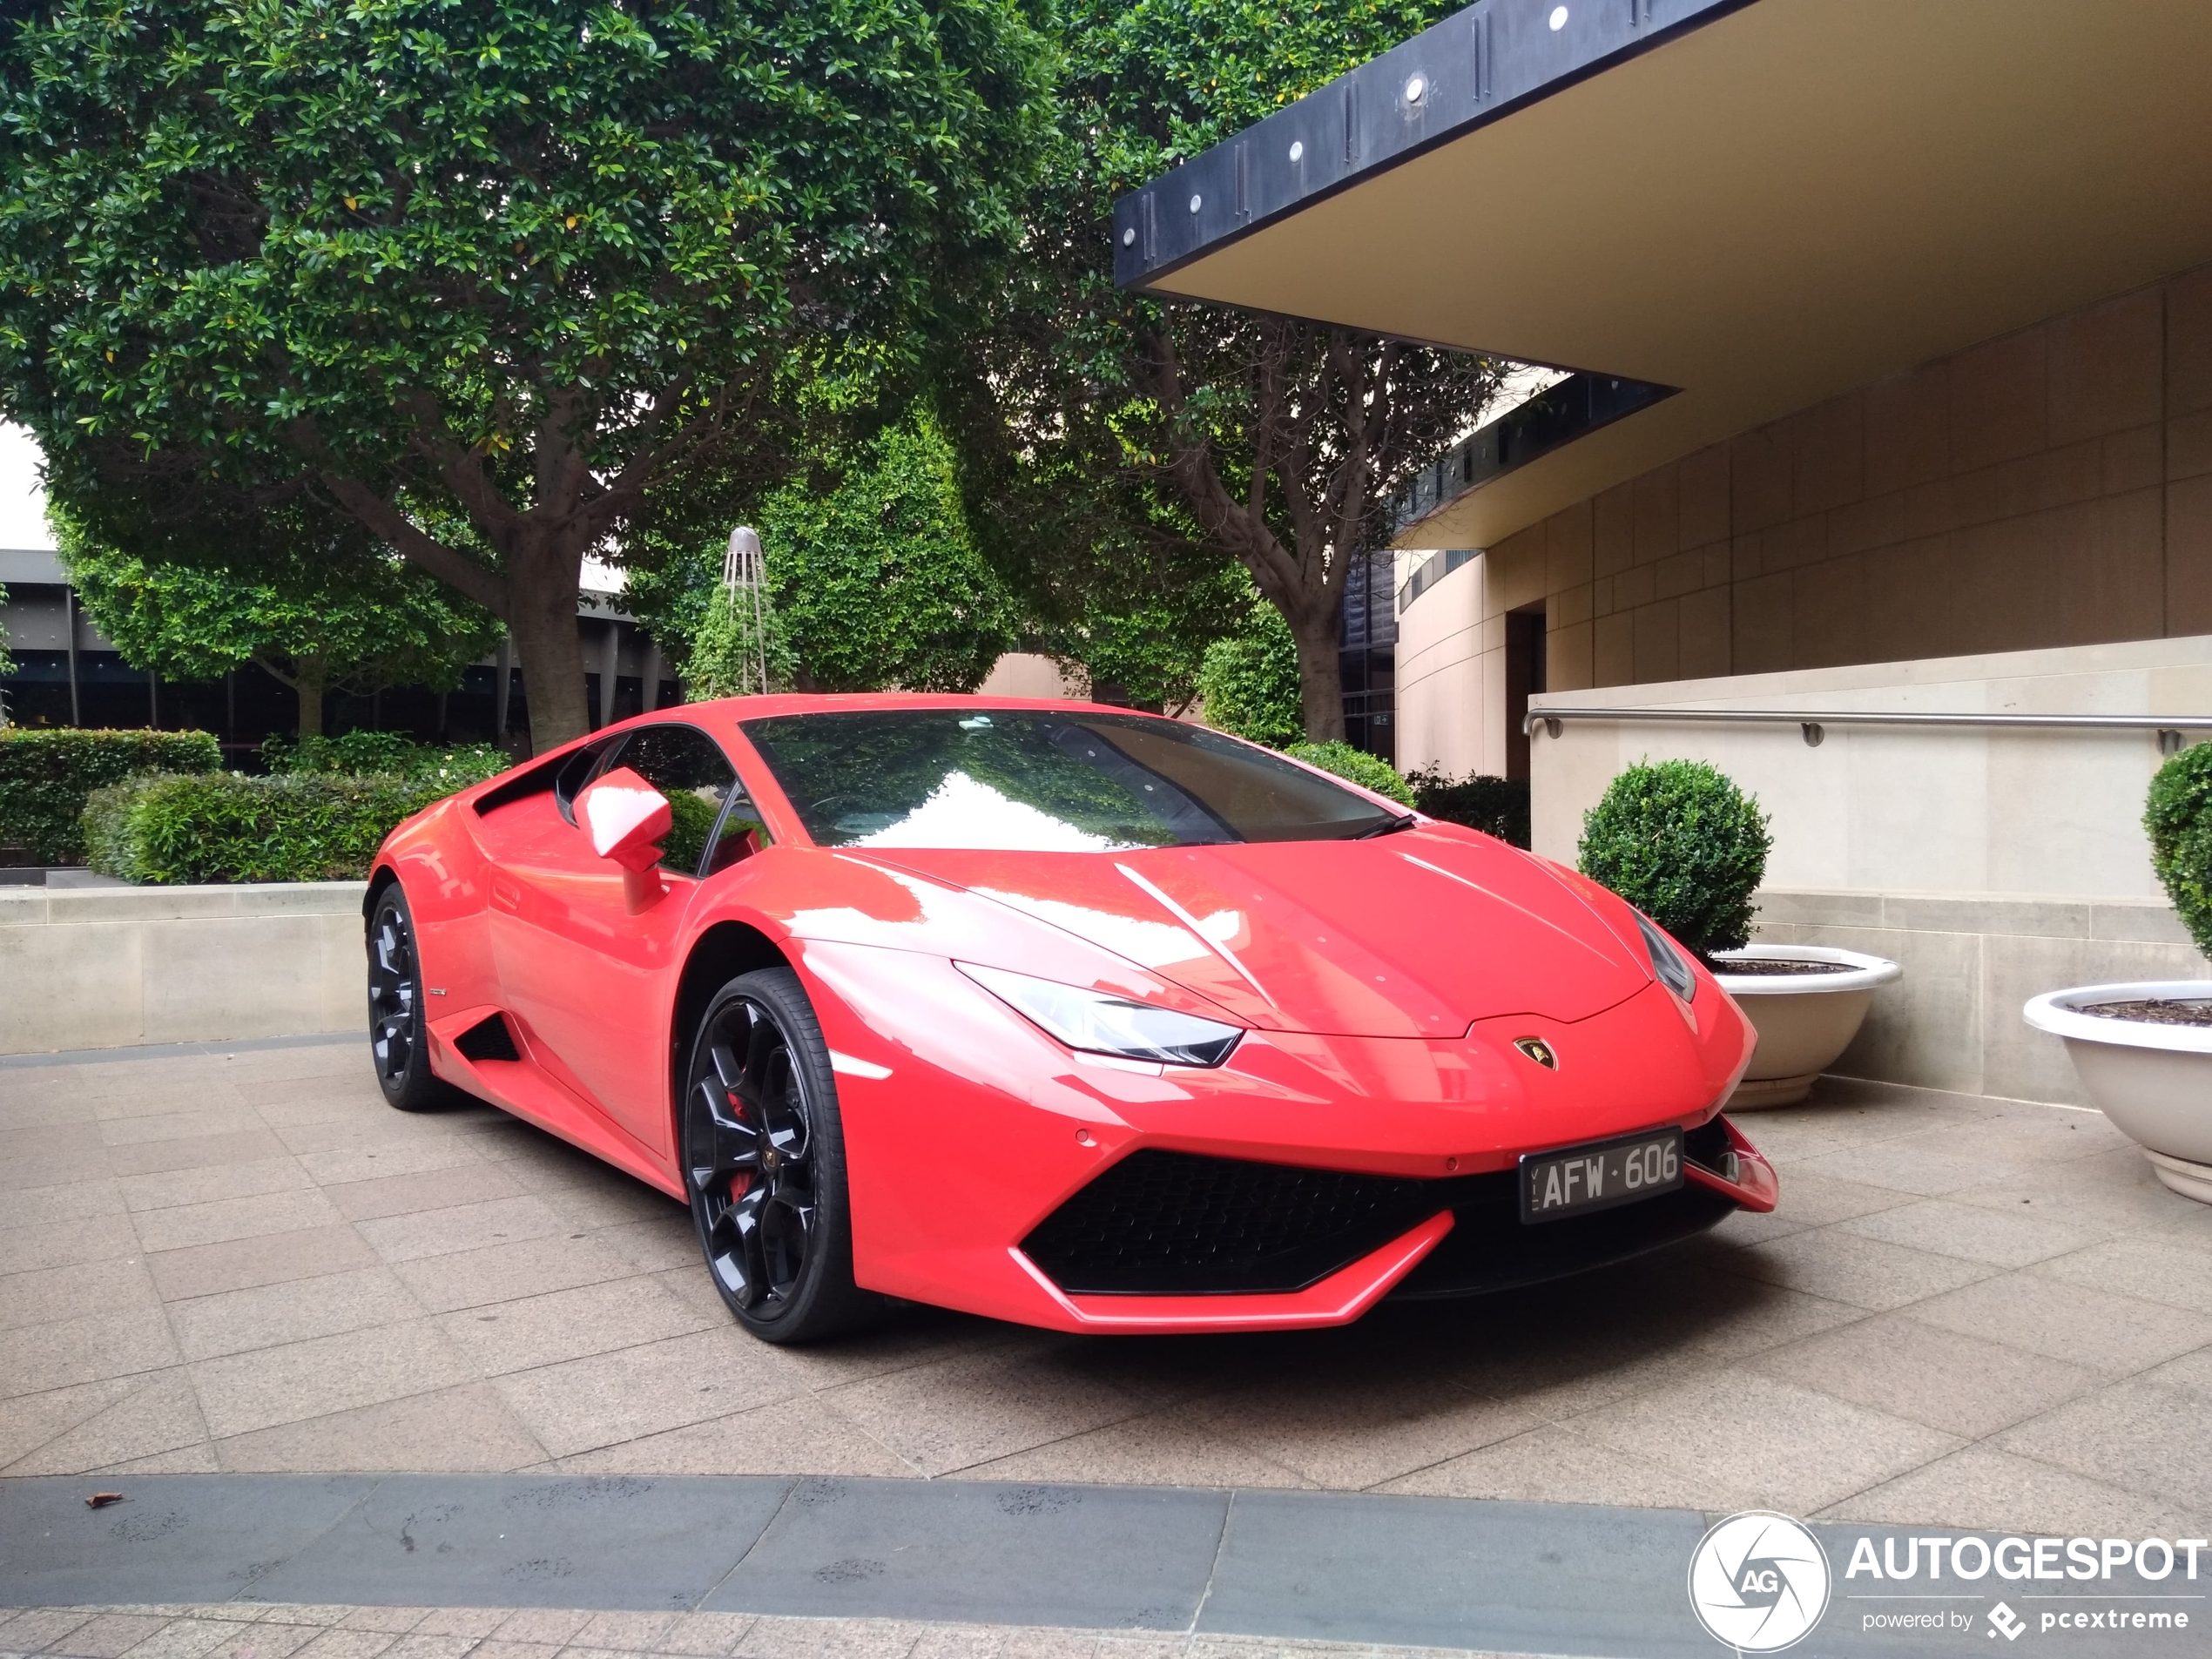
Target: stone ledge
[(107, 968), (2147, 922)]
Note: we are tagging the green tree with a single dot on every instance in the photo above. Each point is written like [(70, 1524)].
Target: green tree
[(874, 579), (481, 273), (1249, 680), (350, 618), (1269, 440)]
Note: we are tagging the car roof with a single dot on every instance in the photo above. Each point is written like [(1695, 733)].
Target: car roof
[(736, 710)]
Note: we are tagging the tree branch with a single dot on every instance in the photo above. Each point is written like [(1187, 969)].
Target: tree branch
[(454, 568)]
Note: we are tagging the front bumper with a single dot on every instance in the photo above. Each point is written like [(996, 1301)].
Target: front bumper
[(1297, 1185)]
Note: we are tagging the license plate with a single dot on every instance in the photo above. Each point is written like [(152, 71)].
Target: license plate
[(1556, 1184)]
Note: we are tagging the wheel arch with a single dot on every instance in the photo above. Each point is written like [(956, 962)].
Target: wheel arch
[(379, 878), (718, 956)]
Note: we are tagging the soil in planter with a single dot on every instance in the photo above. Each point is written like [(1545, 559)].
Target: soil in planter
[(2153, 1011), (1776, 965)]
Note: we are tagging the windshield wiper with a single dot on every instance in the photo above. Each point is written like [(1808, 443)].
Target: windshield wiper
[(1388, 827)]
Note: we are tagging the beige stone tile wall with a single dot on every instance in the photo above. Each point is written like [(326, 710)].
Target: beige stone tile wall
[(1942, 809), (107, 968), (2050, 487), (1953, 1021)]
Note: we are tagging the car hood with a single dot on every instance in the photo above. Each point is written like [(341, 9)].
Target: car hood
[(1413, 935)]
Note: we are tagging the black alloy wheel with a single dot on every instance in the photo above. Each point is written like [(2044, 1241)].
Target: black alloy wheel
[(763, 1161), (396, 1010)]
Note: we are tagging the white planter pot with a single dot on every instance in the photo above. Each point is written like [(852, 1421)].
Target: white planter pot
[(2154, 1081), (1804, 1019)]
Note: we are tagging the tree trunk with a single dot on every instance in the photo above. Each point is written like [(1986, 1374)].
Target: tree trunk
[(1320, 673), (310, 676), (541, 585)]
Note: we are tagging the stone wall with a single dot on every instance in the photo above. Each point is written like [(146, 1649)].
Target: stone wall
[(1953, 1021), (105, 967)]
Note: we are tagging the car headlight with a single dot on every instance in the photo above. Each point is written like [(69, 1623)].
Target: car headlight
[(1098, 1023), (1666, 960)]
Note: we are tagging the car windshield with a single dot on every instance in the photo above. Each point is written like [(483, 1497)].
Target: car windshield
[(1032, 780)]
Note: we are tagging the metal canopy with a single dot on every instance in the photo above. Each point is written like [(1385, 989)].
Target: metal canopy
[(1764, 204)]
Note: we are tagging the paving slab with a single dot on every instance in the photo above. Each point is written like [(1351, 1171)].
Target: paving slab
[(600, 1542), (1112, 1557), (258, 1567), (237, 1257), (178, 1538)]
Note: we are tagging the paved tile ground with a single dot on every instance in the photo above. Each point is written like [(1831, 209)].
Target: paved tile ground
[(231, 1630), (1967, 1312)]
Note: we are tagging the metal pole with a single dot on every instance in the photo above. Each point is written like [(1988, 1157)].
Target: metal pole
[(743, 567), (653, 665), (69, 615), (502, 684), (1550, 718), (153, 701), (609, 662)]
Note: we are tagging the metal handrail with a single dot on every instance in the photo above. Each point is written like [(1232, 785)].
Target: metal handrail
[(1813, 722)]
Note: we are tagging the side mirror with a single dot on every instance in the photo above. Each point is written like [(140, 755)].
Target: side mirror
[(627, 819)]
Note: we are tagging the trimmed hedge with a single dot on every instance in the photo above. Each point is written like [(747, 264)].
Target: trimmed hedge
[(47, 774), (295, 826), (365, 754), (1497, 807), (2179, 817), (1357, 765), (1681, 842)]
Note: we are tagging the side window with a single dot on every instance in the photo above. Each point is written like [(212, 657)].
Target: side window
[(742, 834), (576, 772), (683, 764)]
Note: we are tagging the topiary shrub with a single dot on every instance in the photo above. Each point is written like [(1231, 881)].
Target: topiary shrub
[(1681, 842), (296, 827), (1369, 772), (46, 774), (2179, 817), (1497, 807)]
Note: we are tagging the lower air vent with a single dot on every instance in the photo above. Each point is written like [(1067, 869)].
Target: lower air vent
[(488, 1039), (1175, 1224)]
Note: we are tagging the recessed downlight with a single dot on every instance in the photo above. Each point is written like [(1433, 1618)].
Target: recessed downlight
[(1558, 18), (1298, 151)]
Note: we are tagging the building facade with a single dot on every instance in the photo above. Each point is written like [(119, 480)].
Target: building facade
[(1892, 427), (67, 674)]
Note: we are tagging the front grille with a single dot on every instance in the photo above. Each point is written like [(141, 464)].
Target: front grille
[(1175, 1224), (1490, 1248), (1709, 1144)]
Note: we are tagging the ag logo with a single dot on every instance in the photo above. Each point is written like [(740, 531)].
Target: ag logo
[(1758, 1581)]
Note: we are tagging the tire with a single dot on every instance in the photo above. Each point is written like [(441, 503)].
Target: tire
[(395, 1042), (763, 1164)]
